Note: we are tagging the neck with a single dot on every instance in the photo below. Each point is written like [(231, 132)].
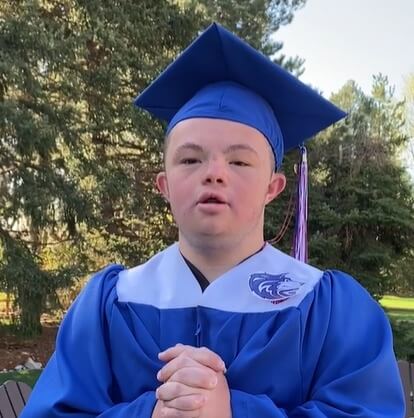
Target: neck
[(215, 259)]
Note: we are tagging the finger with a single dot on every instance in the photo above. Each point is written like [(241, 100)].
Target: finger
[(196, 377), (200, 354), (167, 412), (171, 390), (174, 365), (173, 352), (187, 403), (176, 349)]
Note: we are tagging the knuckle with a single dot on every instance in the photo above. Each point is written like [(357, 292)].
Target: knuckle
[(181, 357), (204, 350), (189, 402), (178, 375), (163, 392), (196, 402), (186, 405), (182, 361), (175, 388), (160, 392), (208, 380)]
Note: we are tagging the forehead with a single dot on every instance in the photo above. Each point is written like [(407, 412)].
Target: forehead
[(216, 134)]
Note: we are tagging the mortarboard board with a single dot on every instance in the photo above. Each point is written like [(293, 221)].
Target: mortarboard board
[(220, 76)]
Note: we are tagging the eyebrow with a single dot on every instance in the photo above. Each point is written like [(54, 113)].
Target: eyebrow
[(237, 147), (229, 149), (189, 145)]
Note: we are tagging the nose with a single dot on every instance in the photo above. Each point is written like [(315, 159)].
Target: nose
[(215, 173)]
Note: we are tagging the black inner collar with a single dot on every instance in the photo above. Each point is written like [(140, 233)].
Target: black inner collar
[(202, 280)]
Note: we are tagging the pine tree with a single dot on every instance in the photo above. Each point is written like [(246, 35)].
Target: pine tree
[(69, 144), (77, 161), (362, 212)]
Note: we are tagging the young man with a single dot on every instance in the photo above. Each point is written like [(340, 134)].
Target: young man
[(222, 324)]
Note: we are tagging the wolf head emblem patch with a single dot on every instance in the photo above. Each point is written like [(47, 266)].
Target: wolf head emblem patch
[(275, 288)]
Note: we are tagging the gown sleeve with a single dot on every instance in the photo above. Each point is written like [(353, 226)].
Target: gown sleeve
[(348, 364), (77, 382)]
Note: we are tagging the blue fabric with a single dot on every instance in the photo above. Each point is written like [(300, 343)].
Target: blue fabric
[(231, 101), (329, 357), (217, 55), (79, 380)]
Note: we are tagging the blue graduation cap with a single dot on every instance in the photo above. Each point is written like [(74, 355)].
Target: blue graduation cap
[(220, 76)]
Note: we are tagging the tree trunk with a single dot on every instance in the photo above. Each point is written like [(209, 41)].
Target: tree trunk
[(30, 311)]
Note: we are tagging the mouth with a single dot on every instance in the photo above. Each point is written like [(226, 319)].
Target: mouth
[(211, 199)]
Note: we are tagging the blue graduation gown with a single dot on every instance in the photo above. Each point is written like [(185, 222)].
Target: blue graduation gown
[(297, 342)]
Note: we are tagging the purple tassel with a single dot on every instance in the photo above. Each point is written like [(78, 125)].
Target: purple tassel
[(300, 240)]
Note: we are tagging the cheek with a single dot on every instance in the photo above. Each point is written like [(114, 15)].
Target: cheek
[(257, 184), (181, 193), (250, 199)]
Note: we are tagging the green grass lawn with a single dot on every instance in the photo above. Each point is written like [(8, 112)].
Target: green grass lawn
[(27, 376), (399, 308), (395, 302)]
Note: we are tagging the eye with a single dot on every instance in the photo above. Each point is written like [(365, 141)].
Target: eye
[(188, 161), (239, 163)]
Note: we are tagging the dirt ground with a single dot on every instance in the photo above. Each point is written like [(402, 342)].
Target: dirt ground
[(14, 351)]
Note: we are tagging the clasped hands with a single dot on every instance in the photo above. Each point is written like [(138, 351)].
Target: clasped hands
[(193, 384)]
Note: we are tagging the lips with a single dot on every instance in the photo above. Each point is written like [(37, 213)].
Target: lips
[(211, 198)]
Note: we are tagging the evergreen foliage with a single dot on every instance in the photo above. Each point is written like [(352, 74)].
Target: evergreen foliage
[(361, 216), (77, 160)]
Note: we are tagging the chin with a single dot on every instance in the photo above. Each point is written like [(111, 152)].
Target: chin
[(207, 235), (215, 233), (208, 227), (218, 238)]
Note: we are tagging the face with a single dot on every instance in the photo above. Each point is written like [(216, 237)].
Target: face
[(218, 178)]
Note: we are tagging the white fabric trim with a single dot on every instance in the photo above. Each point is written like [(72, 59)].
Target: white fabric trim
[(166, 282)]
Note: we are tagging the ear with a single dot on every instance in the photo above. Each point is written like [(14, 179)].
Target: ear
[(162, 184), (276, 186)]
